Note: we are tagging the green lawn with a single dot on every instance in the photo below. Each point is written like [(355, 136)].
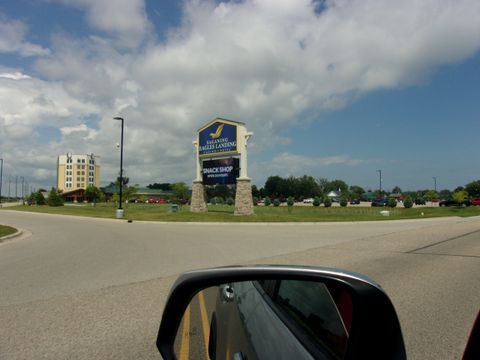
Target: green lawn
[(6, 230), (224, 213)]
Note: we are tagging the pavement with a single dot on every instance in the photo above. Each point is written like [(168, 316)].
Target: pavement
[(83, 288)]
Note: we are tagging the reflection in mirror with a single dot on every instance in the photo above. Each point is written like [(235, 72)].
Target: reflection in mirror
[(266, 319)]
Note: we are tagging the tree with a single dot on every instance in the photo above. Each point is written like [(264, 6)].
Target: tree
[(128, 192), (430, 195), (396, 190), (54, 199), (445, 194), (255, 191), (38, 198), (459, 196), (93, 194), (323, 185), (181, 191), (473, 188), (162, 186), (336, 185), (356, 192), (408, 203)]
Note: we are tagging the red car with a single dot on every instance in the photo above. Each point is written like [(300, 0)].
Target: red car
[(152, 201), (475, 202)]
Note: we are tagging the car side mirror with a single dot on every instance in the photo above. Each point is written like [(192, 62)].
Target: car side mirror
[(278, 312)]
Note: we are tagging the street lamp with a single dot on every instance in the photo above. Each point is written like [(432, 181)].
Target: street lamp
[(380, 180), (23, 189), (1, 180), (435, 182), (120, 210)]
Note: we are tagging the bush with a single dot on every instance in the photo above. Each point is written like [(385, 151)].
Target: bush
[(230, 201), (327, 202), (268, 201), (408, 203), (276, 202), (392, 202), (290, 201), (213, 201), (343, 202), (54, 199), (38, 198), (219, 200), (316, 201), (255, 201)]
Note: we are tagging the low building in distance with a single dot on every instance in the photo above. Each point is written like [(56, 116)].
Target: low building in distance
[(77, 172)]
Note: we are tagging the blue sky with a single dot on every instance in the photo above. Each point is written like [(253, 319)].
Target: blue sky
[(336, 90)]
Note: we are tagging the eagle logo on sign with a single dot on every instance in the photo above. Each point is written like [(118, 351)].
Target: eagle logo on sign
[(218, 132)]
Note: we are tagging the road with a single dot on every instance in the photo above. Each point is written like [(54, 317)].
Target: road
[(83, 288)]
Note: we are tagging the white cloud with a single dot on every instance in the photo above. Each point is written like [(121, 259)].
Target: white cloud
[(125, 19), (271, 64), (12, 39), (14, 75)]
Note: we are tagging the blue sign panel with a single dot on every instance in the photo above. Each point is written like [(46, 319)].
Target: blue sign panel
[(217, 139), (221, 171)]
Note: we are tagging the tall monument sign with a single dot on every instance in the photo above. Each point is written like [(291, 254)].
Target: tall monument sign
[(221, 158)]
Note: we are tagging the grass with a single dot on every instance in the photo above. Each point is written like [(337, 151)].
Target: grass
[(6, 230), (224, 213)]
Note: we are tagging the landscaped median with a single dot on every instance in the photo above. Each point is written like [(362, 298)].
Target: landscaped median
[(6, 230), (224, 213)]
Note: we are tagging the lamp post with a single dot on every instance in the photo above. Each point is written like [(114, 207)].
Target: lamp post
[(435, 183), (380, 180), (1, 179), (23, 189), (120, 209)]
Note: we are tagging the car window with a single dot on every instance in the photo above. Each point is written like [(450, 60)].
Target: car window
[(310, 306)]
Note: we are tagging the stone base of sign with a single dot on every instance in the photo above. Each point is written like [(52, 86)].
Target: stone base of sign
[(198, 203), (243, 197)]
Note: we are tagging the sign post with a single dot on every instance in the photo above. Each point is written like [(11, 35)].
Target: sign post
[(221, 158)]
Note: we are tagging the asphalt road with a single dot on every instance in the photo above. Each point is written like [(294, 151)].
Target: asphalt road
[(82, 288)]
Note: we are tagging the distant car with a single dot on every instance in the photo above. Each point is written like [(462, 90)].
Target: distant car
[(420, 201), (308, 201), (475, 202), (451, 202), (152, 201), (380, 202), (163, 201), (355, 202)]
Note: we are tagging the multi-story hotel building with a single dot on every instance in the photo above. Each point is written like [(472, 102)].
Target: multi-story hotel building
[(77, 172)]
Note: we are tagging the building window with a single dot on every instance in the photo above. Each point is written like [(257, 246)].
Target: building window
[(83, 161)]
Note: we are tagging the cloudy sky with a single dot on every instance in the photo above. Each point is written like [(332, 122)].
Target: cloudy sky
[(336, 88)]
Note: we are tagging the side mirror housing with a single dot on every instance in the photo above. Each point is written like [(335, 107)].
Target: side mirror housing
[(340, 314)]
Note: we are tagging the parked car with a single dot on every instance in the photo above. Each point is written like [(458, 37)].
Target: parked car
[(420, 201), (355, 201), (308, 201), (475, 202), (162, 201), (380, 202), (152, 201), (451, 202)]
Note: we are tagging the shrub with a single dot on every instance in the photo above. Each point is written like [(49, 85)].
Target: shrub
[(276, 202), (230, 201), (219, 200), (255, 201), (392, 202), (38, 198), (54, 199), (290, 201), (343, 202), (408, 203), (268, 201), (213, 201), (316, 201), (327, 202)]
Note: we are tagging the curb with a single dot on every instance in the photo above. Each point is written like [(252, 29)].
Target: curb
[(11, 236)]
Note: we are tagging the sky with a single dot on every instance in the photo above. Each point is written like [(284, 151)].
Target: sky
[(336, 89)]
